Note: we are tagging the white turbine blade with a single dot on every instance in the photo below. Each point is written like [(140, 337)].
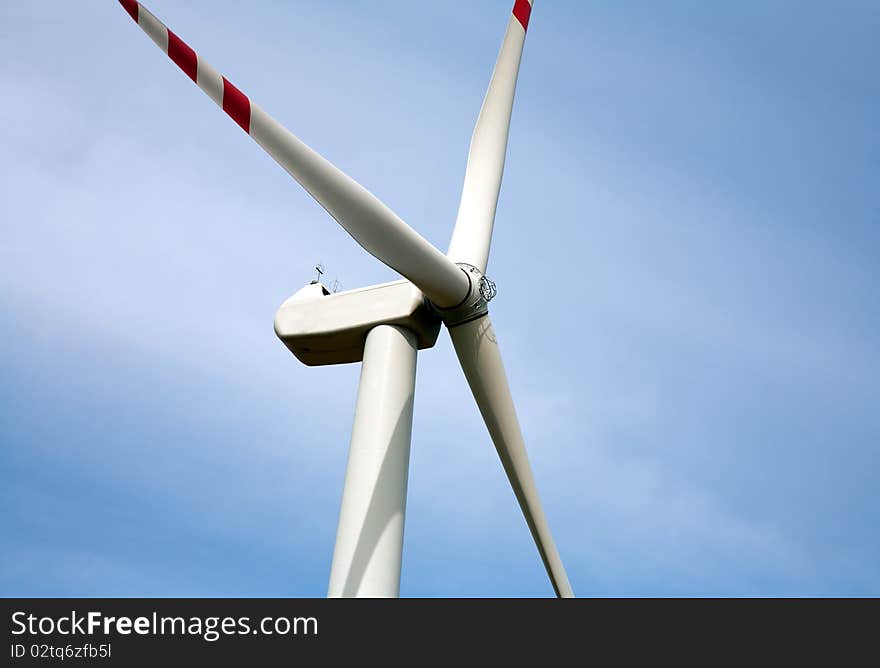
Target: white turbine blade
[(477, 350), (372, 224), (472, 235)]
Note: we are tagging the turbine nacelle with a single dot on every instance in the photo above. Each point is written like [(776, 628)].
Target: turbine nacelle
[(321, 328)]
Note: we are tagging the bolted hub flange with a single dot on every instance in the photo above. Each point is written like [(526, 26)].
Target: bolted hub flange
[(475, 305)]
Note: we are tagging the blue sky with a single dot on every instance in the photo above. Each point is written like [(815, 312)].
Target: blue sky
[(686, 250)]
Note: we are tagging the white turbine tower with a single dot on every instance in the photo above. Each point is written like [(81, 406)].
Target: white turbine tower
[(383, 326)]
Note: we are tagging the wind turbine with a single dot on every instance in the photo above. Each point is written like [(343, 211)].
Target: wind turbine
[(383, 326)]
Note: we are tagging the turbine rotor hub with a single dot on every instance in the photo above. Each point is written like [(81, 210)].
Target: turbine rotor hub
[(481, 290)]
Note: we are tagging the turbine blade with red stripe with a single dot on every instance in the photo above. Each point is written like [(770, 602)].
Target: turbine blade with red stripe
[(372, 224), (472, 235), (477, 348)]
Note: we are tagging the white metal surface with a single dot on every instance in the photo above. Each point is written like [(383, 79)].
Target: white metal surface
[(322, 328), (370, 222), (477, 348), (369, 538), (472, 235)]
